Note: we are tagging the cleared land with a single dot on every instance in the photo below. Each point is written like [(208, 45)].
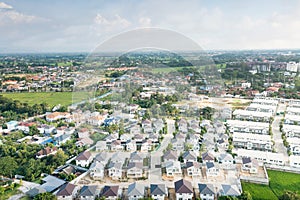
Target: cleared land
[(279, 182)]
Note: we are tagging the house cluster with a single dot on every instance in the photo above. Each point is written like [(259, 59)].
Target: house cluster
[(134, 191), (250, 135), (116, 166), (47, 81), (261, 110), (143, 138), (291, 129)]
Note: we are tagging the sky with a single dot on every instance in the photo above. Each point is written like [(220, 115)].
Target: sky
[(80, 25)]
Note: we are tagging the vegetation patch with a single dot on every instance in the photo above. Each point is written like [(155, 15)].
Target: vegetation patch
[(280, 182)]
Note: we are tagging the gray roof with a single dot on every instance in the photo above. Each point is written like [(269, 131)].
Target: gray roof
[(35, 191), (170, 155), (246, 160), (136, 156), (210, 165), (189, 155), (136, 189), (207, 189), (191, 164), (158, 189), (115, 165), (135, 164), (183, 186), (52, 183), (228, 190), (101, 157), (110, 191), (207, 156), (88, 190)]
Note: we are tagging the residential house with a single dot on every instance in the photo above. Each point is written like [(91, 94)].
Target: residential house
[(158, 125), (173, 168), (115, 170), (229, 190), (146, 146), (96, 170), (207, 191), (118, 157), (208, 157), (110, 192), (226, 160), (136, 157), (135, 170), (116, 146), (84, 159), (178, 144), (182, 125), (67, 192), (249, 165), (158, 191), (130, 145), (102, 158), (189, 156), (135, 191), (126, 137), (193, 169), (62, 139), (184, 190), (57, 116), (88, 192), (212, 169), (101, 146), (170, 156), (51, 183), (46, 152)]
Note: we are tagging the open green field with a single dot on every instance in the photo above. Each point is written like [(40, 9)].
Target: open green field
[(279, 182), (51, 98), (257, 191)]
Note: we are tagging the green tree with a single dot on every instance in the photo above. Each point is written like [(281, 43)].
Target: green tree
[(33, 130), (289, 195), (245, 196), (45, 196), (8, 166)]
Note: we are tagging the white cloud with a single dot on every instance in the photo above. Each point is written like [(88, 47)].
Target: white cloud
[(5, 6), (16, 17), (117, 20), (145, 22)]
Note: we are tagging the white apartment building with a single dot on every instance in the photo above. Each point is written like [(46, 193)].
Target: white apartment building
[(248, 127), (265, 157), (252, 141), (291, 130), (252, 115)]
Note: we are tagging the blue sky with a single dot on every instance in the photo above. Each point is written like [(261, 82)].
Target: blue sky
[(79, 25)]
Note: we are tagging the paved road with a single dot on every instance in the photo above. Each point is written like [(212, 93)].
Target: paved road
[(155, 174), (279, 147)]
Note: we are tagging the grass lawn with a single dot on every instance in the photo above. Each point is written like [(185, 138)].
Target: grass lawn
[(51, 98), (257, 191), (279, 182)]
